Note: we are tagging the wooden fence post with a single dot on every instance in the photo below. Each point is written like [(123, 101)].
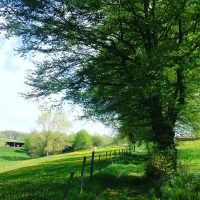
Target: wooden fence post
[(134, 147), (111, 157), (68, 185), (106, 158), (82, 173), (92, 165), (99, 163)]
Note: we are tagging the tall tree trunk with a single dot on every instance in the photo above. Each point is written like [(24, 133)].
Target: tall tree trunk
[(163, 158), (163, 133)]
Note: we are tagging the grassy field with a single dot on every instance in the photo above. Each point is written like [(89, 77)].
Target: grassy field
[(34, 179), (189, 155), (38, 178), (11, 157)]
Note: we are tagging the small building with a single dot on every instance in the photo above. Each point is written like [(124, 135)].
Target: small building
[(184, 137), (14, 144)]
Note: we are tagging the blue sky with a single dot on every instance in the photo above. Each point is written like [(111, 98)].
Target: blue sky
[(17, 113)]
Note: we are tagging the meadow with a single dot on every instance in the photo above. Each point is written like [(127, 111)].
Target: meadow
[(24, 178)]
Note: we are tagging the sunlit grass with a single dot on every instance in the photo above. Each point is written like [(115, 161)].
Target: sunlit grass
[(37, 178), (12, 158), (46, 176), (189, 155)]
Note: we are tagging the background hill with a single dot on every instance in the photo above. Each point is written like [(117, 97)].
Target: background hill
[(13, 135)]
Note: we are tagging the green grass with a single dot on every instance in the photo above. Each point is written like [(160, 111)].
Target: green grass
[(37, 178), (189, 155), (12, 157), (24, 178), (12, 154)]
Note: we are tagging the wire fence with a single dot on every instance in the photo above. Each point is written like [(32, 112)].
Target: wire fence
[(91, 164)]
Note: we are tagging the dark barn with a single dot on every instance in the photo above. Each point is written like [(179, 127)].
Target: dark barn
[(184, 137), (14, 144)]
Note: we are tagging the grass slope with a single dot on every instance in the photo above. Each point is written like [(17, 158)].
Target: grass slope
[(10, 156), (36, 179)]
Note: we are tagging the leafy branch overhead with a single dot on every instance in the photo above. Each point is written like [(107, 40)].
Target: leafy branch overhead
[(131, 62)]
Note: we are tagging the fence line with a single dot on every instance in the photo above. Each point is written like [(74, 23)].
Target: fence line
[(95, 163), (91, 165), (68, 185)]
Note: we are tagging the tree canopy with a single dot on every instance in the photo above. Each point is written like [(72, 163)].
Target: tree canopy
[(53, 121), (97, 140), (135, 63), (46, 143), (82, 140)]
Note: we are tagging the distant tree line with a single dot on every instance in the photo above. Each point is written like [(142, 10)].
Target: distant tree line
[(49, 143), (13, 135), (54, 139)]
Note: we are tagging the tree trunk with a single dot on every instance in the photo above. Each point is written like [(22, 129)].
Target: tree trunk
[(163, 133), (163, 157)]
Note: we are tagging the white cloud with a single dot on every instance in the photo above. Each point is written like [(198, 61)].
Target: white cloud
[(15, 112)]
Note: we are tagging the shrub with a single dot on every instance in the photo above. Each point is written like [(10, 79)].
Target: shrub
[(183, 186), (161, 163)]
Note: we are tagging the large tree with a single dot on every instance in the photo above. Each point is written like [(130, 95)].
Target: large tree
[(46, 143), (132, 62), (52, 138)]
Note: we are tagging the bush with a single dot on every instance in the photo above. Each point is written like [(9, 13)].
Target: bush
[(161, 163), (182, 187)]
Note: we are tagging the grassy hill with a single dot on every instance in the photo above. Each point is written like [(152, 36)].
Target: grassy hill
[(14, 135), (46, 177), (37, 178)]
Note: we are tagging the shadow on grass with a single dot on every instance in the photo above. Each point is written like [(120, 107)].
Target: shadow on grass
[(22, 150), (14, 158), (113, 183), (49, 179)]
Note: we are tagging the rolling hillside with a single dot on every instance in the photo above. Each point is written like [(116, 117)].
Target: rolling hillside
[(46, 177)]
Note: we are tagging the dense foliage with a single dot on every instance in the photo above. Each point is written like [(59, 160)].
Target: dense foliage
[(46, 143), (97, 140), (82, 140), (52, 138)]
